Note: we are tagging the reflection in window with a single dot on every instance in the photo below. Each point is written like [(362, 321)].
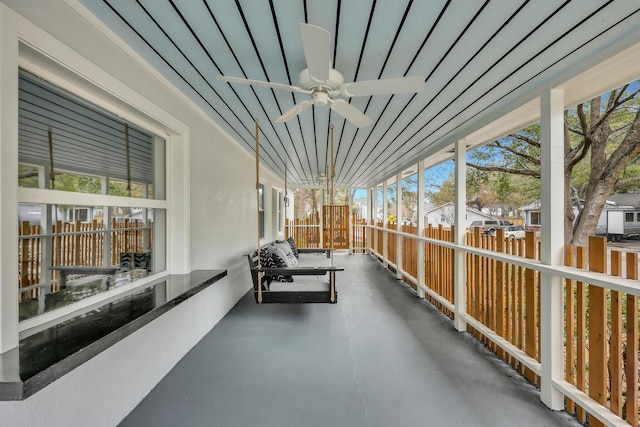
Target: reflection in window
[(261, 208), (82, 256), (280, 213), (67, 144), (71, 249)]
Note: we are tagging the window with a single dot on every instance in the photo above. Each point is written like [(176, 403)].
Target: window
[(534, 218), (77, 214), (443, 217), (628, 216), (70, 150)]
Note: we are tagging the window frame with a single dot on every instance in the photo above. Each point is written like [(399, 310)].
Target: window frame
[(65, 68), (537, 217)]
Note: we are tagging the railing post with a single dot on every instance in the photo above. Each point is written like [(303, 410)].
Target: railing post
[(460, 261), (420, 231), (373, 234), (398, 237), (552, 245), (385, 225)]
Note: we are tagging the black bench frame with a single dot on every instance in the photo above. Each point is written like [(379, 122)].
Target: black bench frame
[(264, 295)]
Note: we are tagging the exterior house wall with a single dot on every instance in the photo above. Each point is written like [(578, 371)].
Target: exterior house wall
[(220, 226), (445, 215)]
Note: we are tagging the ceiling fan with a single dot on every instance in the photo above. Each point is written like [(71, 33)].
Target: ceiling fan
[(323, 83)]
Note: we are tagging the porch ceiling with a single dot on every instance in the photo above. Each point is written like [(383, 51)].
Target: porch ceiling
[(478, 58)]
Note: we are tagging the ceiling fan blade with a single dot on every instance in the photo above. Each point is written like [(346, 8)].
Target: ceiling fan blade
[(297, 109), (350, 112), (290, 88), (316, 43), (384, 86)]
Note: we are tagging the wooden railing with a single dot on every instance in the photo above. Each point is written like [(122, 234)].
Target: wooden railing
[(76, 244), (359, 234), (305, 233), (601, 336)]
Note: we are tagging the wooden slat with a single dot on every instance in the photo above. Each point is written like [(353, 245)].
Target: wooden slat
[(632, 345), (501, 300), (615, 363), (597, 327), (531, 304), (570, 340), (581, 332)]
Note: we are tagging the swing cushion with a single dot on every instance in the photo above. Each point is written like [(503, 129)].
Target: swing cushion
[(292, 244), (269, 258), (285, 252)]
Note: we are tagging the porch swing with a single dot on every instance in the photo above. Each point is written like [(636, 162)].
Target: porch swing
[(283, 273)]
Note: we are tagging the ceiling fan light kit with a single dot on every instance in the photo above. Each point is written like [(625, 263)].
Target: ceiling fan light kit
[(323, 83)]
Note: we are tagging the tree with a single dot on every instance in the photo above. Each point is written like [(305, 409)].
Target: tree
[(603, 133), (305, 202), (409, 197)]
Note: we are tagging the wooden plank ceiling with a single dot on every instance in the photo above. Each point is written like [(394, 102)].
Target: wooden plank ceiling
[(476, 56)]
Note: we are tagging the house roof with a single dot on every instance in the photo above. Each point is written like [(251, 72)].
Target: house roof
[(626, 199), (475, 211)]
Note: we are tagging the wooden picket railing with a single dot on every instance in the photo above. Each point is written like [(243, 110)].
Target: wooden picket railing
[(306, 233), (359, 233), (439, 266), (601, 333), (601, 325), (76, 243)]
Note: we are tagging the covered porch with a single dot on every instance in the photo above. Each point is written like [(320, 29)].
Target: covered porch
[(434, 325), (380, 357)]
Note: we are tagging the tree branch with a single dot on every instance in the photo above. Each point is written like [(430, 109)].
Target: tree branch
[(534, 160), (526, 139), (528, 172)]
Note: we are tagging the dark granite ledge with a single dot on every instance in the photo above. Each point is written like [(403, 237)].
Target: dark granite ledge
[(42, 358)]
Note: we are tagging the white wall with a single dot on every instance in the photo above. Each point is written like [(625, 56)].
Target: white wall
[(220, 223)]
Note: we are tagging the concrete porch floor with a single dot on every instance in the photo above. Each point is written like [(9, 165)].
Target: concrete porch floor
[(380, 357)]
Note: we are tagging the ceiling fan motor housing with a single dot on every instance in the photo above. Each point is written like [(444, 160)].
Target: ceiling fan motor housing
[(307, 82)]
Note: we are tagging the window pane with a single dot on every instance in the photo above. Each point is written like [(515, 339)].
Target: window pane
[(535, 218), (28, 176), (89, 252), (66, 143)]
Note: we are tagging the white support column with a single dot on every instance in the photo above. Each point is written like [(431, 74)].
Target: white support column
[(460, 266), (350, 219), (374, 216), (369, 218), (8, 182), (322, 243), (398, 225), (420, 214), (385, 234), (552, 244)]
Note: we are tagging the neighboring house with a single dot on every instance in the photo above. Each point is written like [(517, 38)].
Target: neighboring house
[(628, 203), (531, 215), (445, 215)]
